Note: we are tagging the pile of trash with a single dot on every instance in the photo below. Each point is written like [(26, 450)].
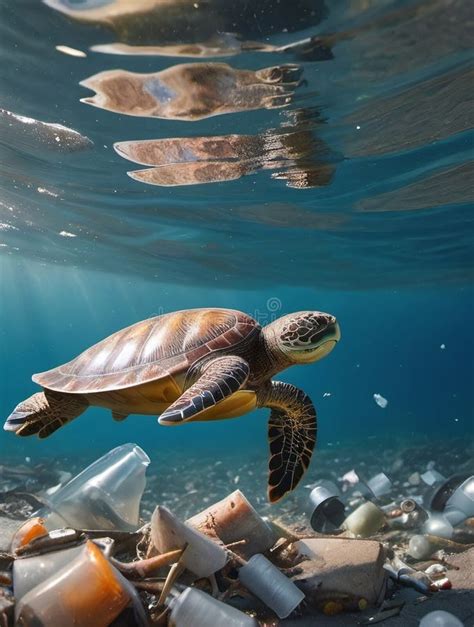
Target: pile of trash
[(85, 558)]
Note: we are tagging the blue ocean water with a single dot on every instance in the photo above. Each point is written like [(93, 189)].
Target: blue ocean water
[(355, 199)]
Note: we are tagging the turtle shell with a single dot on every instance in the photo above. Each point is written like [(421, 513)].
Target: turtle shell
[(151, 349)]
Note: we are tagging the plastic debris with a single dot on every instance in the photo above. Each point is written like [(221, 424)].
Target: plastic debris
[(31, 529), (438, 525), (328, 512), (420, 547), (432, 477), (29, 572), (87, 589), (106, 495), (202, 556), (234, 519), (403, 574), (379, 485), (460, 504), (350, 477), (440, 618), (195, 608), (271, 586), (366, 520), (72, 52), (380, 400)]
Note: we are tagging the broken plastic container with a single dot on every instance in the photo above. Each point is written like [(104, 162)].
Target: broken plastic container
[(327, 511), (379, 485), (202, 556), (364, 521), (86, 591), (195, 608), (270, 585), (106, 495), (233, 519), (432, 477), (440, 618)]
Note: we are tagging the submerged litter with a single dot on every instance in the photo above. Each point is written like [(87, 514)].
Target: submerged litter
[(86, 558), (380, 400)]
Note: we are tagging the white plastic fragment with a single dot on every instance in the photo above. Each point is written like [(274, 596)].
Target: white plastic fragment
[(202, 556), (379, 485), (350, 477), (364, 521), (431, 476), (72, 52), (270, 585), (195, 608), (440, 618), (380, 400)]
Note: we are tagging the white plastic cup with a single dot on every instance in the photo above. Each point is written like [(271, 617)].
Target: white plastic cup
[(268, 584), (195, 608), (105, 495)]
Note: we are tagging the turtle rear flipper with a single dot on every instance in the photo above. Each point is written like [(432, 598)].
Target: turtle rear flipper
[(44, 412), (292, 436)]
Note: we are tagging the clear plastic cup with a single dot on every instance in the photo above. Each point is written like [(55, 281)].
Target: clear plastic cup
[(105, 495), (86, 591)]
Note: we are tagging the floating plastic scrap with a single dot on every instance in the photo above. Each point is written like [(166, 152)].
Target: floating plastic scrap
[(270, 585), (379, 485), (195, 608), (106, 495), (364, 521), (327, 510), (87, 591), (234, 519), (202, 556), (380, 400), (440, 618)]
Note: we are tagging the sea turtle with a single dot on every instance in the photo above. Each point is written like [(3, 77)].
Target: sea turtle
[(197, 364)]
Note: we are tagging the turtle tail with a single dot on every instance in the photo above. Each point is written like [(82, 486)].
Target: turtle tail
[(44, 412)]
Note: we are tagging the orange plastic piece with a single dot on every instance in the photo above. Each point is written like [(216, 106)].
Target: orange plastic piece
[(33, 528)]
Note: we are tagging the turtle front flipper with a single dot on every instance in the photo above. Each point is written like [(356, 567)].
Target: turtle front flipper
[(292, 431), (221, 378)]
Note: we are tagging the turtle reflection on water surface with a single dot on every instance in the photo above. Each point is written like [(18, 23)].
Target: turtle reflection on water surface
[(197, 364)]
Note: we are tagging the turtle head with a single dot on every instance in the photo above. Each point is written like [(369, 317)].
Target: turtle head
[(305, 336)]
